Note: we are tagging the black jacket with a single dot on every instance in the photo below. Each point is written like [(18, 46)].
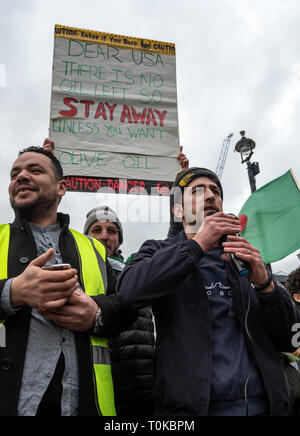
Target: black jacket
[(116, 317), (133, 358), (166, 275)]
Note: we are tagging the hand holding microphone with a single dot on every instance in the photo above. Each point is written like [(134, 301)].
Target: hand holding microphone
[(214, 232), (242, 254), (240, 266), (245, 252), (214, 227)]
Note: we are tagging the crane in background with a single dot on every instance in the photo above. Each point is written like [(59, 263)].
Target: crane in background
[(223, 155)]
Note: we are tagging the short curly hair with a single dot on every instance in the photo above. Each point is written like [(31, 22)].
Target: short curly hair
[(57, 168), (293, 282)]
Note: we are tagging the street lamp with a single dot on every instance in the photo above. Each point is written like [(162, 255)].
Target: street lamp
[(245, 147)]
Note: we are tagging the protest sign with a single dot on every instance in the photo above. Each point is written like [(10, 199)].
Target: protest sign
[(114, 114)]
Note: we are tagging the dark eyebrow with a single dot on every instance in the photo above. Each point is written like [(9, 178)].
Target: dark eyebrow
[(99, 225), (209, 186)]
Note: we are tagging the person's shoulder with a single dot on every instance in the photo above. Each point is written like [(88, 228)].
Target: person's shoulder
[(80, 237), (130, 258), (151, 246), (5, 228), (158, 243)]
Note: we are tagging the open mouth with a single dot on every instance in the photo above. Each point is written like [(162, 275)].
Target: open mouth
[(210, 208)]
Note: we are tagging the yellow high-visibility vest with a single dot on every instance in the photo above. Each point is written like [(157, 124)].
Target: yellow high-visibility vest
[(92, 258)]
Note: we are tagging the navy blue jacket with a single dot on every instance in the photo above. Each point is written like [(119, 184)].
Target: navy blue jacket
[(166, 275)]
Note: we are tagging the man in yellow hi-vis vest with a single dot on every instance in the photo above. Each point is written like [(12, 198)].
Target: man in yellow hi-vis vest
[(56, 361)]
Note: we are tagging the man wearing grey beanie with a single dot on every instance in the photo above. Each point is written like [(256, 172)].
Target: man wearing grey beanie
[(102, 223), (132, 366)]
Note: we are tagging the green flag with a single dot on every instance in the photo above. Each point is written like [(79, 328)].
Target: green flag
[(273, 213)]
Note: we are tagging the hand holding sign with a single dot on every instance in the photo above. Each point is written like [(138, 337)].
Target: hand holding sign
[(183, 160), (48, 145)]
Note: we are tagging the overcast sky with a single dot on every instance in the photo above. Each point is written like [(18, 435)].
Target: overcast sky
[(238, 67)]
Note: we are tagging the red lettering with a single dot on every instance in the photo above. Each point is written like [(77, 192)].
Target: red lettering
[(85, 184), (143, 186), (90, 184), (97, 184), (123, 185), (163, 188), (81, 181), (101, 112), (111, 110), (73, 111), (87, 104), (161, 116), (151, 118), (137, 116), (69, 184), (126, 114)]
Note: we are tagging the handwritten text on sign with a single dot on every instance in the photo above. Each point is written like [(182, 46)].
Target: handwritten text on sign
[(114, 106)]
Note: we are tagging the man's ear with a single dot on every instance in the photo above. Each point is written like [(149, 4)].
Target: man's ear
[(297, 297), (178, 211), (61, 188)]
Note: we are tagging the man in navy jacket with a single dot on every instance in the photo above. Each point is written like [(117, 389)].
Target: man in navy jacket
[(219, 335)]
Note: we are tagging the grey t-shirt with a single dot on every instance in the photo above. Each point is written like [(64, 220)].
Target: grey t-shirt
[(46, 342)]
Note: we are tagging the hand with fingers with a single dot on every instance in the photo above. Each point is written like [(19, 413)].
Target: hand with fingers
[(183, 160), (243, 250), (77, 315), (42, 289), (214, 227), (48, 145)]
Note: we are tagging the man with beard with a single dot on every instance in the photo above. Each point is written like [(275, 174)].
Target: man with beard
[(219, 334), (56, 361)]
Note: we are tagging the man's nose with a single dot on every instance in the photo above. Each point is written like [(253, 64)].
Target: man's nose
[(104, 235), (23, 176), (209, 194)]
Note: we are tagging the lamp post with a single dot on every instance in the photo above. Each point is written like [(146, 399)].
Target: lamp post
[(245, 147)]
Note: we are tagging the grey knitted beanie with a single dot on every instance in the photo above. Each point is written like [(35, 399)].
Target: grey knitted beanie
[(103, 214)]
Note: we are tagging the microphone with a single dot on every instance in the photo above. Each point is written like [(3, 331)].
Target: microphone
[(241, 267)]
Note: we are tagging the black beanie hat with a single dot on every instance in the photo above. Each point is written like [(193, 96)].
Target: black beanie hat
[(184, 178)]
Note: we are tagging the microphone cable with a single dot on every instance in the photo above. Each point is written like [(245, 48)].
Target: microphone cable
[(246, 326)]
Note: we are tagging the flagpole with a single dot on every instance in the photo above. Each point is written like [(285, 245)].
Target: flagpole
[(294, 177)]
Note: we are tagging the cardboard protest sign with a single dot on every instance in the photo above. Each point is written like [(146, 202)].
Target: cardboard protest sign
[(114, 111)]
